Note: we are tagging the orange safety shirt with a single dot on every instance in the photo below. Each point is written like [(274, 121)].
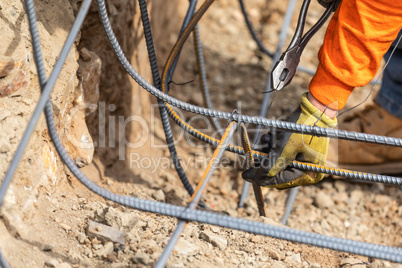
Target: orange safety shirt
[(358, 36)]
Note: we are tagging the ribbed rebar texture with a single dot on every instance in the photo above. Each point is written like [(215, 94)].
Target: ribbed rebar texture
[(348, 174), (203, 77), (313, 130), (289, 204), (214, 162), (265, 102), (369, 177), (45, 87), (162, 109), (367, 249)]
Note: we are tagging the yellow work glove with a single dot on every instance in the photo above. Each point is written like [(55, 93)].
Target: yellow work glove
[(274, 171)]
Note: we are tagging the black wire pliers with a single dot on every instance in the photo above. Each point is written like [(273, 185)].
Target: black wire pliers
[(285, 67)]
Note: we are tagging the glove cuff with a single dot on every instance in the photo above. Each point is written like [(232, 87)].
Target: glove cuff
[(311, 110)]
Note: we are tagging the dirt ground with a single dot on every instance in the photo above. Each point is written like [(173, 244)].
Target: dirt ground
[(237, 73)]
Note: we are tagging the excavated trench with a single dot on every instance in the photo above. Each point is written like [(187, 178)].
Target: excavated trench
[(45, 217)]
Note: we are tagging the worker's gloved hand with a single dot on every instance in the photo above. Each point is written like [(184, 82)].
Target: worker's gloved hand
[(274, 170)]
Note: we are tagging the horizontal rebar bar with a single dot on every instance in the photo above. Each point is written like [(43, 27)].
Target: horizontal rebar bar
[(283, 125)]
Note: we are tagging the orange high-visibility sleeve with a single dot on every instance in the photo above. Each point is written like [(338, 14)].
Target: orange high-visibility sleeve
[(358, 36)]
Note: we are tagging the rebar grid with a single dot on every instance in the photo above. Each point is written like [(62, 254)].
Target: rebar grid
[(372, 250)]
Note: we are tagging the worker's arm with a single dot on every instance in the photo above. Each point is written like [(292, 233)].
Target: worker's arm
[(359, 34)]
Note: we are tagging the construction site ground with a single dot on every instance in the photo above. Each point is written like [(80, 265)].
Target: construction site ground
[(55, 233)]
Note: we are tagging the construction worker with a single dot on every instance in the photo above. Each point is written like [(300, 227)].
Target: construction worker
[(358, 36)]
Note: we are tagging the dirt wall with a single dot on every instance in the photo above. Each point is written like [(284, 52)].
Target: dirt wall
[(92, 90)]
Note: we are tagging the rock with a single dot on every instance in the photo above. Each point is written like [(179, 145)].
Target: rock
[(215, 240), (97, 246), (315, 265), (14, 80), (49, 161), (81, 237), (159, 196), (215, 229), (76, 139), (293, 258), (273, 254), (65, 227), (119, 220), (112, 257), (149, 245), (85, 54), (107, 233), (380, 264), (88, 252), (4, 146), (140, 258), (352, 263), (356, 195), (52, 263), (87, 91), (323, 200), (95, 241), (48, 247), (255, 239), (184, 247), (106, 249)]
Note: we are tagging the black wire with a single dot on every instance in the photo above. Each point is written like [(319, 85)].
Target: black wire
[(181, 84), (272, 102), (187, 18), (252, 31)]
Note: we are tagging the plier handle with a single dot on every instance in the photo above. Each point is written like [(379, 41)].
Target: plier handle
[(285, 67)]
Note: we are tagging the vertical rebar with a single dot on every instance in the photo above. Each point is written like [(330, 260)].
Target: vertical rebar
[(195, 199), (267, 96), (3, 261), (203, 77), (289, 204)]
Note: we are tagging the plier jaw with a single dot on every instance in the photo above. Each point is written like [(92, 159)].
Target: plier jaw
[(285, 68)]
